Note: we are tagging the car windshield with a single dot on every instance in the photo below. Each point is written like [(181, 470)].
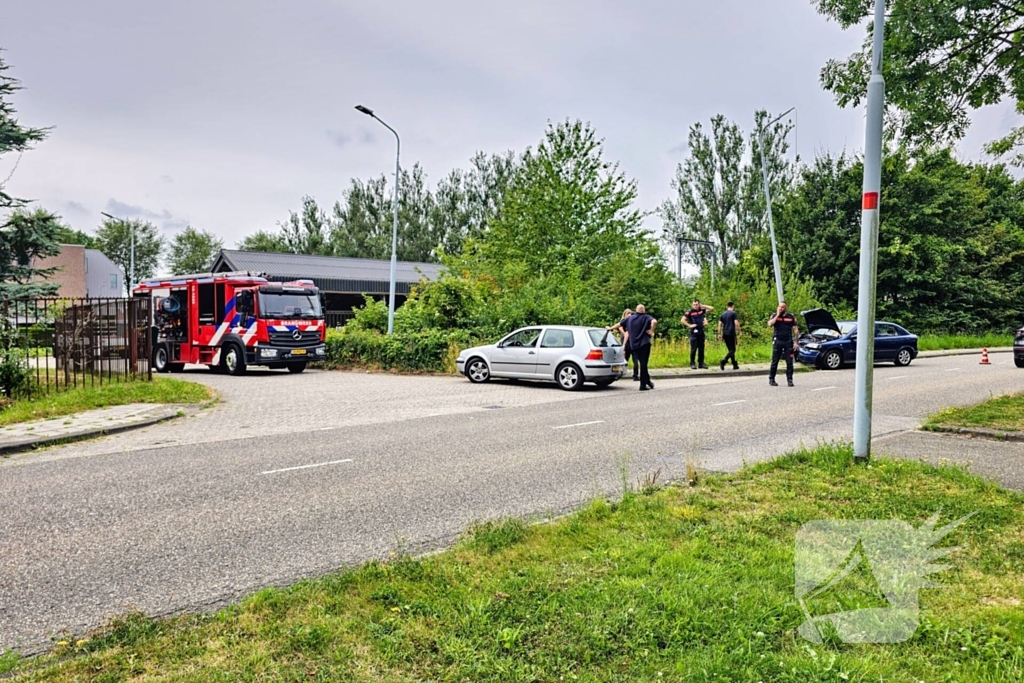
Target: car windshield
[(603, 339), (289, 306), (847, 328), (825, 332)]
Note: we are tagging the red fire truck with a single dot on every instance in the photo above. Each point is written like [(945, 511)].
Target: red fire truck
[(229, 321)]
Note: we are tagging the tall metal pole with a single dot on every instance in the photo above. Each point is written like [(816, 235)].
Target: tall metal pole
[(768, 201), (862, 394), (131, 268), (394, 228)]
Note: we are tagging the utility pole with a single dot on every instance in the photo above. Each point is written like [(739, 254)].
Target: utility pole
[(862, 394), (768, 201)]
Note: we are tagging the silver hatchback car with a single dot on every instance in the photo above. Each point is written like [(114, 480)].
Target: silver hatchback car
[(563, 354)]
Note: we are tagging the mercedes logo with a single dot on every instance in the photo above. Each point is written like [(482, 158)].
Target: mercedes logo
[(297, 335)]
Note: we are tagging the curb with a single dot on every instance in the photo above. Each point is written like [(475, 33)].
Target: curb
[(691, 374), (962, 352), (13, 447), (977, 432)]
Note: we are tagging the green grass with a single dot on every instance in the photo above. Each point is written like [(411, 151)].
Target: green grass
[(1005, 413), (942, 342), (682, 584), (676, 354), (667, 353), (58, 404)]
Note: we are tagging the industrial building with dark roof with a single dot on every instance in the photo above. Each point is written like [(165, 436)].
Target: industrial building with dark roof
[(342, 281)]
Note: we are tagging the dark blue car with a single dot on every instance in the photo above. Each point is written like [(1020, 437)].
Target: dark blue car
[(1018, 348), (830, 345)]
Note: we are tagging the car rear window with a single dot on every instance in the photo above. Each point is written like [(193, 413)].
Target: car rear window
[(558, 339), (602, 339)]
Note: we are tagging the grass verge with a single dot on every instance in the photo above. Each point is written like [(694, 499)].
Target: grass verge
[(944, 342), (58, 404), (1005, 413), (681, 584), (667, 353)]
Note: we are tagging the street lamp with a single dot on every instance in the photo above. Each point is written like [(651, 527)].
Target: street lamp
[(768, 201), (131, 267), (394, 230), (869, 245), (692, 243)]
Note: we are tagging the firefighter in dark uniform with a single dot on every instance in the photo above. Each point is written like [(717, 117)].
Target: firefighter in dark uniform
[(695, 319), (783, 342)]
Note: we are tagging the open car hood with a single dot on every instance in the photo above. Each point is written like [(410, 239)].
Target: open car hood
[(819, 318)]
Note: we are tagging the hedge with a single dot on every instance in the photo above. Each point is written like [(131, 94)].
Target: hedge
[(426, 351)]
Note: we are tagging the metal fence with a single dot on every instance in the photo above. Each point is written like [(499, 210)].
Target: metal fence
[(337, 318), (55, 344)]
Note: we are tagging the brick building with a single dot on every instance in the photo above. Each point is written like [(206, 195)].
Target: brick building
[(83, 273)]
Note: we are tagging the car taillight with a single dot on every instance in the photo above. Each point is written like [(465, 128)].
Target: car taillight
[(596, 354)]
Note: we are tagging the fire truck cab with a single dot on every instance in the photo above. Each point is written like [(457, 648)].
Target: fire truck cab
[(229, 321)]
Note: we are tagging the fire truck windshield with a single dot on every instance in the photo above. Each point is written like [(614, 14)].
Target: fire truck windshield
[(279, 306)]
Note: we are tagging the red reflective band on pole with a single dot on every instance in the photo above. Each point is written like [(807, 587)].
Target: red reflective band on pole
[(870, 201)]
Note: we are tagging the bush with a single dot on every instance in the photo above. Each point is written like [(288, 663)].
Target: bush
[(15, 375), (425, 351), (372, 317)]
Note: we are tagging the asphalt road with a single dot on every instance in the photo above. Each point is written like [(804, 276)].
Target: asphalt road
[(189, 515)]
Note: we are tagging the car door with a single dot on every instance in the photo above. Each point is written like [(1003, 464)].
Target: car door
[(886, 342), (516, 354), (554, 345)]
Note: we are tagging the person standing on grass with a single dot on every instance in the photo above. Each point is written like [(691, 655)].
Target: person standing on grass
[(640, 328), (729, 332), (695, 319), (621, 328), (783, 342)]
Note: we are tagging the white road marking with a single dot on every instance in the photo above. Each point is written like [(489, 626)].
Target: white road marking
[(327, 429), (306, 467), (729, 403), (581, 424), (897, 377), (823, 389), (953, 369)]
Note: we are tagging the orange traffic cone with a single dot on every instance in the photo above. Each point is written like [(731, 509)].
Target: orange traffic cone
[(984, 357)]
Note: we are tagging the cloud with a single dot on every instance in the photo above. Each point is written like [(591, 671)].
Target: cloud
[(74, 207), (167, 179), (339, 138), (681, 148), (119, 209)]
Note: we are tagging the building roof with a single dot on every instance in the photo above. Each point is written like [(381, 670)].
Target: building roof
[(330, 273)]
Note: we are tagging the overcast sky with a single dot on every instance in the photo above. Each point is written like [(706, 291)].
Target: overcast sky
[(224, 113)]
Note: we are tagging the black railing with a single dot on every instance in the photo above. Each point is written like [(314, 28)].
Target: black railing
[(55, 344), (337, 318)]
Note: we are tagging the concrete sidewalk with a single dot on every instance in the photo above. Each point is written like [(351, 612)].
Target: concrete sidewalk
[(1002, 461), (28, 435)]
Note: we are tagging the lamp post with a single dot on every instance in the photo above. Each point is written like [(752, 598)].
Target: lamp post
[(394, 229), (703, 243), (768, 201), (862, 392), (131, 267)]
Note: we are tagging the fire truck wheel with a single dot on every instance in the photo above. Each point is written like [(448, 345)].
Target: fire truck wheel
[(296, 367), (160, 358), (234, 359)]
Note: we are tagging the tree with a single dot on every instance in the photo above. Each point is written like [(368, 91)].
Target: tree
[(193, 251), (264, 241), (719, 187), (13, 136), (24, 237), (467, 202), (68, 235), (943, 58), (115, 239), (307, 232), (951, 240), (567, 244)]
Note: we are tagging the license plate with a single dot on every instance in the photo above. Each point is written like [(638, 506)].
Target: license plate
[(299, 352), (618, 368)]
